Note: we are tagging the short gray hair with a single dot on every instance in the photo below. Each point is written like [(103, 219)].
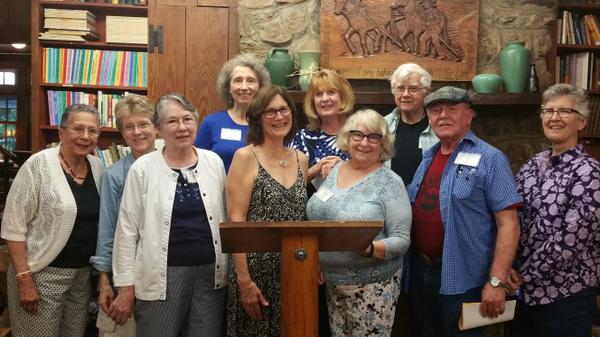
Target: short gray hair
[(75, 108), (241, 60), (405, 70), (374, 123), (161, 106), (576, 94)]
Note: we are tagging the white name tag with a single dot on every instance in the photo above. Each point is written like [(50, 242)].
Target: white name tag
[(324, 194), (231, 134), (468, 159)]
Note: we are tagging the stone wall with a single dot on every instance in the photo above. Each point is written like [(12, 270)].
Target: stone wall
[(294, 24)]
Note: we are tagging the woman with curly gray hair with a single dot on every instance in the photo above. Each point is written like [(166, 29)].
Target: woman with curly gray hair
[(225, 131)]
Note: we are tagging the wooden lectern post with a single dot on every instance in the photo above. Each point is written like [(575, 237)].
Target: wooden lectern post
[(299, 244)]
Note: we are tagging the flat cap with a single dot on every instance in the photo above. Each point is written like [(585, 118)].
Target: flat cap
[(448, 94)]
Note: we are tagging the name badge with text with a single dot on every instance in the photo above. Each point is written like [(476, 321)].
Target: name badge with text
[(324, 194), (231, 134), (467, 159)]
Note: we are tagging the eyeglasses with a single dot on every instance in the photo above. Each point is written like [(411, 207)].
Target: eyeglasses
[(272, 112), (175, 122), (562, 112), (358, 136), (141, 126), (80, 130), (412, 89)]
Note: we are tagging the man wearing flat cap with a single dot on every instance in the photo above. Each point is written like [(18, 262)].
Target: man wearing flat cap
[(465, 226)]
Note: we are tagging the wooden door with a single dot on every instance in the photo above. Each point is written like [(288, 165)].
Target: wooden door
[(198, 37)]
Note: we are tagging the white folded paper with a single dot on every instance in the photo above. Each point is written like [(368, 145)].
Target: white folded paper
[(471, 318)]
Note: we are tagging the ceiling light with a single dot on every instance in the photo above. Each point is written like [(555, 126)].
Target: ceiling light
[(18, 45)]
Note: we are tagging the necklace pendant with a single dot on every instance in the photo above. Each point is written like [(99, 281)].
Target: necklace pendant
[(283, 162)]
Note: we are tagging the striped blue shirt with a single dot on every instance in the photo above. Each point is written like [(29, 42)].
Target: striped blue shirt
[(469, 198)]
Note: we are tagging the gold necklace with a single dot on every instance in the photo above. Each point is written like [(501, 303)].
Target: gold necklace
[(69, 169)]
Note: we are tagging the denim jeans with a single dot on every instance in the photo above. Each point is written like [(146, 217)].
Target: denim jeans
[(572, 316), (436, 315)]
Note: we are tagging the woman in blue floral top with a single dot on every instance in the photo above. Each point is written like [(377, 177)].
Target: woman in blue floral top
[(328, 102), (560, 225)]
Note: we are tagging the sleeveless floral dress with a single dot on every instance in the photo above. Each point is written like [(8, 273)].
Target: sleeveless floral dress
[(270, 201)]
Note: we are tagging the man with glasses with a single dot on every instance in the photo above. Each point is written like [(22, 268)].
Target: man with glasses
[(465, 229), (408, 122)]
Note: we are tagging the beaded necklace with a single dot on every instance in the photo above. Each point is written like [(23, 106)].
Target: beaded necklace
[(69, 169)]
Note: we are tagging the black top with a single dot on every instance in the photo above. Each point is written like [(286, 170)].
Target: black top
[(408, 155), (190, 238), (82, 241)]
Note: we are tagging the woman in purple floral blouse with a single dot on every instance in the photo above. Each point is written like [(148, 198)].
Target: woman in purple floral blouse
[(558, 261)]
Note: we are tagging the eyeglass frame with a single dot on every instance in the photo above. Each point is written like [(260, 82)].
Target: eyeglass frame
[(141, 126), (284, 111), (411, 89), (357, 133), (549, 112), (81, 130)]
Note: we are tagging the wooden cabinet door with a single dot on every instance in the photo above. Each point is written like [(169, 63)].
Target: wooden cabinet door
[(199, 36)]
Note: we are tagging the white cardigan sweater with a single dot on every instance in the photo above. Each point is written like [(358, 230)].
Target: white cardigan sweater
[(40, 208), (142, 236)]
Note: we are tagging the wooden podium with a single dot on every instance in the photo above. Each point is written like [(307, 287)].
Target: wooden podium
[(299, 244)]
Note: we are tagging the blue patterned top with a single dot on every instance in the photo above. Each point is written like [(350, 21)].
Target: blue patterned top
[(560, 225), (380, 195), (469, 198), (316, 145)]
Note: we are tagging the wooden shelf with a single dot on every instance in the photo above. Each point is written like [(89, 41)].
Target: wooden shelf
[(96, 6), (590, 8), (573, 48), (94, 44), (386, 98), (92, 87)]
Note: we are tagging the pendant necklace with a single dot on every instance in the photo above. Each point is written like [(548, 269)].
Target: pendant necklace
[(283, 162), (69, 169)]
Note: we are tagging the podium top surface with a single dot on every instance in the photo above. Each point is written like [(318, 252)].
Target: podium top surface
[(246, 237)]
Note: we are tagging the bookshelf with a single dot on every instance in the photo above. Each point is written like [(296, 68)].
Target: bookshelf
[(73, 76)]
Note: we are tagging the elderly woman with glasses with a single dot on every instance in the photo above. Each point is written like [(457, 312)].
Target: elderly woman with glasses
[(266, 182), (50, 224), (167, 247), (557, 264), (362, 287)]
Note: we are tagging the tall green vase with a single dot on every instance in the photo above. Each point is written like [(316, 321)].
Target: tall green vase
[(280, 64), (514, 66), (309, 64)]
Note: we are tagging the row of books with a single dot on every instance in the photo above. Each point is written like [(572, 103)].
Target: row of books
[(69, 25), (580, 69), (126, 29), (127, 2), (94, 67), (574, 28), (112, 154), (59, 100)]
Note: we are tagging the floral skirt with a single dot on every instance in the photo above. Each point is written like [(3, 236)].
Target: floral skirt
[(364, 310)]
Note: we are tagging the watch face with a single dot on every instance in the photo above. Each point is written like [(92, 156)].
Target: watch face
[(495, 281)]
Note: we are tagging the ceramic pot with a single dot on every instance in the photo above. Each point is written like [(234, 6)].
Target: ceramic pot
[(309, 64), (514, 66), (280, 64), (487, 83)]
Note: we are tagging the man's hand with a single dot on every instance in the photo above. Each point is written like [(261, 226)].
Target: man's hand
[(492, 301), (121, 308)]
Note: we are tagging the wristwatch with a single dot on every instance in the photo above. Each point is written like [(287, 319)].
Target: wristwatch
[(496, 282)]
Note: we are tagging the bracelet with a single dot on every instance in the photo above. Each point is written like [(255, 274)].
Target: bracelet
[(21, 274), (371, 249)]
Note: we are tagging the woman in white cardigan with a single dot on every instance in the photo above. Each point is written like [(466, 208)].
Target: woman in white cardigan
[(50, 224), (167, 248)]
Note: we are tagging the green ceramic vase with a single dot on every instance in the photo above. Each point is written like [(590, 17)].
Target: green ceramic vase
[(280, 64), (514, 66), (486, 83)]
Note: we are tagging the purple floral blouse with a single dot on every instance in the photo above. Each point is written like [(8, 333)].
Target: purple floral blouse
[(560, 230)]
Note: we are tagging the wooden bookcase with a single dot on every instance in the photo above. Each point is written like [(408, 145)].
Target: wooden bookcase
[(43, 132)]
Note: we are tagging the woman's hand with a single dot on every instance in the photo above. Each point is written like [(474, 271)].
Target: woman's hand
[(107, 295), (252, 299), (376, 250), (121, 308), (327, 164), (515, 280), (28, 294)]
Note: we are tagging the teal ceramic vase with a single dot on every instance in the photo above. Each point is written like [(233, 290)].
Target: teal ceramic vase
[(514, 66), (309, 64), (486, 83), (280, 64)]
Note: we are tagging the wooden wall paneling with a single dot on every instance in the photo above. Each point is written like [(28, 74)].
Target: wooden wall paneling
[(166, 70), (206, 52)]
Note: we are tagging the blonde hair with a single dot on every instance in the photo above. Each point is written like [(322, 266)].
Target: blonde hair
[(374, 123), (327, 79), (133, 104)]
